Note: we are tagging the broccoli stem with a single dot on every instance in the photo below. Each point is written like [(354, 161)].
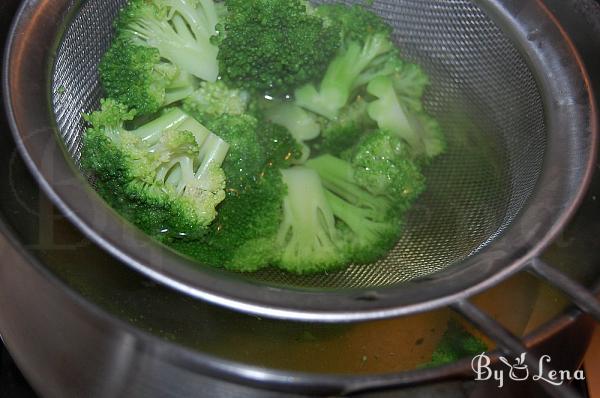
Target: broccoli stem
[(338, 177), (301, 125), (389, 113), (177, 44), (210, 15), (307, 232), (336, 86), (363, 222), (212, 153), (180, 88), (151, 131)]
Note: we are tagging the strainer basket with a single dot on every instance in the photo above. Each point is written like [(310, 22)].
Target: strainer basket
[(506, 86)]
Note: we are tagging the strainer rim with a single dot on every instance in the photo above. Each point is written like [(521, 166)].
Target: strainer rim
[(347, 305)]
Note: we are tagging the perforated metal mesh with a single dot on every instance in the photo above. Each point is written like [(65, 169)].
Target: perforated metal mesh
[(482, 92)]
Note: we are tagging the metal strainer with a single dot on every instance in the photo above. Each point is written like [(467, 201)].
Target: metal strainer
[(506, 86)]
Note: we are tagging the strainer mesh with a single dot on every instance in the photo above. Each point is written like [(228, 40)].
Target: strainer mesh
[(482, 92)]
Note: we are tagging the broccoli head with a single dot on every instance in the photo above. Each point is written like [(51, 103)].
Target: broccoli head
[(346, 129), (180, 30), (274, 46), (381, 166), (212, 100), (330, 220), (355, 22), (419, 130), (246, 158), (366, 44), (281, 149), (308, 236), (370, 224), (165, 176), (242, 237), (137, 77)]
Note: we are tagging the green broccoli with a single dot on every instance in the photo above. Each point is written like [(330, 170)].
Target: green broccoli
[(345, 130), (366, 43), (330, 221), (213, 110), (180, 30), (274, 46), (371, 223), (246, 158), (381, 165), (308, 236), (410, 83), (164, 176), (419, 130), (301, 124), (137, 77), (456, 343), (356, 23), (242, 237), (281, 149), (211, 100)]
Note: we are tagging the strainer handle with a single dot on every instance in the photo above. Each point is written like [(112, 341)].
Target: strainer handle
[(511, 345), (577, 293)]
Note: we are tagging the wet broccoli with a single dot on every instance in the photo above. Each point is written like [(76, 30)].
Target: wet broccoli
[(165, 176), (274, 46)]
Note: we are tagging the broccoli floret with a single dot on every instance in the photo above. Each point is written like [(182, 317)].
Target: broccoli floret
[(180, 30), (308, 236), (387, 65), (274, 46), (410, 83), (137, 77), (381, 165), (330, 221), (164, 176), (301, 124), (212, 100), (242, 237), (456, 343), (281, 149), (366, 44), (246, 158), (355, 22), (371, 224), (345, 130), (419, 130)]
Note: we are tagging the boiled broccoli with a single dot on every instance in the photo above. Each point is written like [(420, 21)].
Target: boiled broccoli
[(330, 220), (274, 46), (242, 237), (281, 148), (419, 130), (246, 158), (164, 176), (137, 77), (342, 132), (366, 43), (180, 30), (382, 166), (301, 124), (356, 23), (308, 236), (248, 134), (371, 223), (211, 100)]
